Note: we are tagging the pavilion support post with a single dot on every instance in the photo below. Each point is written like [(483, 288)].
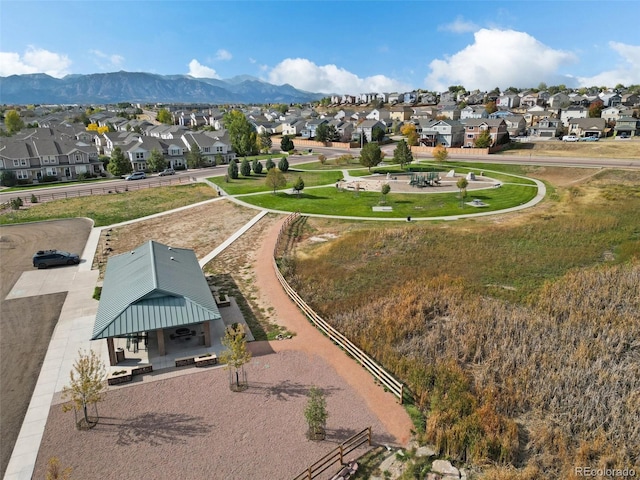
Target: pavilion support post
[(112, 352), (207, 333), (161, 348)]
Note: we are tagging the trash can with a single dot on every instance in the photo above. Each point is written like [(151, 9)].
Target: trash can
[(119, 355)]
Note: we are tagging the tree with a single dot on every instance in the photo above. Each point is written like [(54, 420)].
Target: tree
[(409, 131), (232, 170), (377, 134), (322, 159), (163, 116), (370, 155), (491, 107), (322, 133), (245, 167), (242, 134), (286, 144), (462, 184), (265, 142), (275, 179), (283, 165), (440, 153), (257, 167), (595, 109), (236, 355), (8, 178), (86, 387), (269, 164), (299, 185), (156, 162), (483, 140), (13, 122), (316, 414), (384, 190), (195, 159), (119, 165), (402, 154)]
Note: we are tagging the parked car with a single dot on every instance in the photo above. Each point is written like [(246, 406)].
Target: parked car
[(136, 176), (623, 135), (49, 258), (570, 138), (167, 171), (591, 138)]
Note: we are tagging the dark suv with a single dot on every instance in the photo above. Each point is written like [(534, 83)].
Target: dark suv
[(48, 258)]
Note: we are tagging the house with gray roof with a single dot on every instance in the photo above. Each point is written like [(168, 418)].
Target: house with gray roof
[(449, 133), (152, 292)]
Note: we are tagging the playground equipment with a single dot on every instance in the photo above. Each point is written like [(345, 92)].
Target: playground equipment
[(431, 179)]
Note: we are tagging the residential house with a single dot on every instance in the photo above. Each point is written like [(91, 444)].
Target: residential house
[(34, 159), (451, 112), (535, 114), (573, 112), (610, 99), (559, 100), (508, 101), (212, 147), (473, 111), (587, 127), (473, 127), (396, 98), (448, 98), (293, 127), (309, 130), (529, 99), (427, 98), (400, 113), (139, 152), (611, 114), (366, 127), (628, 125), (449, 133), (424, 113), (546, 127), (630, 99), (516, 125), (109, 140), (381, 114)]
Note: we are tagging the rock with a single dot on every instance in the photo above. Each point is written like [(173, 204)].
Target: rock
[(463, 474), (444, 467), (425, 452)]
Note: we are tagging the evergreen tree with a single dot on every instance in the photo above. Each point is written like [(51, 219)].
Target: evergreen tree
[(370, 155), (245, 168), (257, 167), (265, 142), (269, 165), (299, 185), (283, 165), (286, 144), (232, 170), (402, 154), (195, 159), (119, 165)]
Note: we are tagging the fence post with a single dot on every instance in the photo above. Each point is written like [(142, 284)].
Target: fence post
[(369, 435), (402, 394), (341, 457)]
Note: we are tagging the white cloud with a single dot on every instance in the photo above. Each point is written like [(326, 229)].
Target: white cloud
[(197, 70), (223, 54), (107, 61), (459, 25), (500, 58), (626, 73), (34, 60), (306, 75)]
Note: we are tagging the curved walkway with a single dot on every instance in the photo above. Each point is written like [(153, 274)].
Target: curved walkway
[(308, 339)]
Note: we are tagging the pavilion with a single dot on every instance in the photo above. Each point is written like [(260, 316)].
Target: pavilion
[(152, 289)]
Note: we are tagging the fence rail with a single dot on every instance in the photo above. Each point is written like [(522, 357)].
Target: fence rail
[(379, 373), (336, 455), (26, 195)]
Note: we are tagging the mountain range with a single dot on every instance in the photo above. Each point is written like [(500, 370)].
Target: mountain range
[(115, 87)]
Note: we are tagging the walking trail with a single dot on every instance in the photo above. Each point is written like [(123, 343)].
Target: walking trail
[(308, 339)]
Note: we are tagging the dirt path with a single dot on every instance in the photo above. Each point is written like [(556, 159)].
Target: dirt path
[(308, 339)]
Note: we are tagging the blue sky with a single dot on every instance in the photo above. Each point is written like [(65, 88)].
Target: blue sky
[(331, 46)]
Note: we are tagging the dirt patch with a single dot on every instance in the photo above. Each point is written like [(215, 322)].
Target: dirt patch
[(26, 324)]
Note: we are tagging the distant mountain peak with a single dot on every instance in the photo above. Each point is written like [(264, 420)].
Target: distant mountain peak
[(114, 87)]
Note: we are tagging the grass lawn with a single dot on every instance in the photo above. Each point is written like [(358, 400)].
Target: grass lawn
[(21, 188), (328, 200), (113, 208), (256, 183), (330, 164)]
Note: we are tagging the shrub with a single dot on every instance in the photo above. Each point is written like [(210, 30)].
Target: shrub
[(232, 170), (270, 164), (16, 203), (283, 165), (245, 168), (257, 167), (34, 199), (8, 179)]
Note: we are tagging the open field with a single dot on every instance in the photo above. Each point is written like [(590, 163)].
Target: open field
[(516, 311), (606, 148), (114, 208)]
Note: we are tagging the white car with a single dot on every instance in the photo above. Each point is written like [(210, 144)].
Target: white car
[(570, 138)]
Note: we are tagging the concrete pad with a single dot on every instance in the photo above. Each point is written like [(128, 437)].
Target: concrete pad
[(43, 282)]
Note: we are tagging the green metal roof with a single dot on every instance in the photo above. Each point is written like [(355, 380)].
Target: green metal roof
[(151, 287)]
